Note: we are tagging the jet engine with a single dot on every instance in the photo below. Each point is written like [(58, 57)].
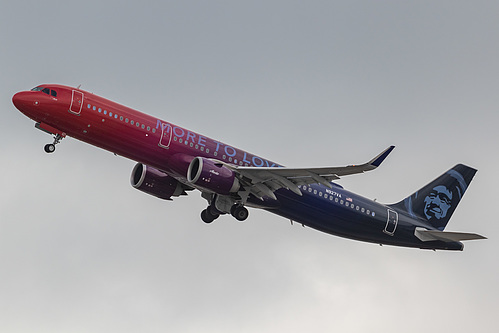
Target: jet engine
[(212, 176), (154, 182)]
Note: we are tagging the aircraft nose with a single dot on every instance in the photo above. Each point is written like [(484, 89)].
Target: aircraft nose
[(23, 99), (16, 100), (19, 100)]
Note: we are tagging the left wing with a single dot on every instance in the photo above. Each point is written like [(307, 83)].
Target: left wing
[(264, 181)]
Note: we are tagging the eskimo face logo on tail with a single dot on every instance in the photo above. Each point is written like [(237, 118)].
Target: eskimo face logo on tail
[(441, 198), (437, 203)]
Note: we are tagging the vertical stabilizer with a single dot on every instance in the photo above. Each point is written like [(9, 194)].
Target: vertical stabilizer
[(437, 201)]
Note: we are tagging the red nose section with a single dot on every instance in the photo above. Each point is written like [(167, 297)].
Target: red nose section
[(18, 100), (25, 100), (28, 103)]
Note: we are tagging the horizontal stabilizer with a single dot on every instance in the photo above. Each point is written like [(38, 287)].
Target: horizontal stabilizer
[(446, 236)]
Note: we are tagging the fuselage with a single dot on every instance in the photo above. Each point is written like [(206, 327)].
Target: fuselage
[(171, 148)]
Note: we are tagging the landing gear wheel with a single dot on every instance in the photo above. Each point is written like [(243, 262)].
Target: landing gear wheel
[(49, 148), (239, 212), (208, 216)]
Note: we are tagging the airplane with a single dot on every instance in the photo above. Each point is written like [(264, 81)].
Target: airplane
[(173, 160)]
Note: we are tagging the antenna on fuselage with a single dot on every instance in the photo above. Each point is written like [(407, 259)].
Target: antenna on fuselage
[(79, 86)]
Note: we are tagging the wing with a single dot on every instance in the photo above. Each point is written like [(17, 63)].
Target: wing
[(264, 181)]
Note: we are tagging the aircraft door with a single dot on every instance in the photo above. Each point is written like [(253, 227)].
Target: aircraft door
[(166, 136), (76, 102), (391, 223)]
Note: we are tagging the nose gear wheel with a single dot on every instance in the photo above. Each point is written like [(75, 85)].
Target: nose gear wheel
[(50, 147)]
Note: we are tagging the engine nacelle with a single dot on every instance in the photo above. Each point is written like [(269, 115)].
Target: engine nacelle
[(212, 176), (154, 182)]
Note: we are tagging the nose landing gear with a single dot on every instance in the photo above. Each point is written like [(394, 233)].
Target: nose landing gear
[(58, 136), (50, 147)]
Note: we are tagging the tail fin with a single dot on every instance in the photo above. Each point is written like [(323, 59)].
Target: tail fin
[(437, 201)]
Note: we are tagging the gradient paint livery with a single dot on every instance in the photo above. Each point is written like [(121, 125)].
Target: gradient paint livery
[(173, 160)]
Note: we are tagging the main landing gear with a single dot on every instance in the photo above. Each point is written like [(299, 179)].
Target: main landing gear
[(221, 205), (50, 147), (210, 214), (239, 212)]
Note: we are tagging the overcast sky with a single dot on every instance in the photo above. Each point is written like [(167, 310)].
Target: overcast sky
[(310, 83)]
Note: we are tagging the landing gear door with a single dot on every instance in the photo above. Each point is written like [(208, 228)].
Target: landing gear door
[(391, 223), (166, 136), (76, 102)]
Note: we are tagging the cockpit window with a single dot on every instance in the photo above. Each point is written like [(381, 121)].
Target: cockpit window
[(47, 91)]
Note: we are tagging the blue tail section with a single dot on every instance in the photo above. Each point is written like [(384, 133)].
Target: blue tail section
[(437, 201)]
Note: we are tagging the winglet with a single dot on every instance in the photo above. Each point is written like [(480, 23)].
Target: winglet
[(375, 162)]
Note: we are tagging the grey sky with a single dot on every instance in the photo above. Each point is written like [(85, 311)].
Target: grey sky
[(313, 83)]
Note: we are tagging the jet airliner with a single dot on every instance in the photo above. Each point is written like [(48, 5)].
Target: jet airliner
[(173, 160)]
